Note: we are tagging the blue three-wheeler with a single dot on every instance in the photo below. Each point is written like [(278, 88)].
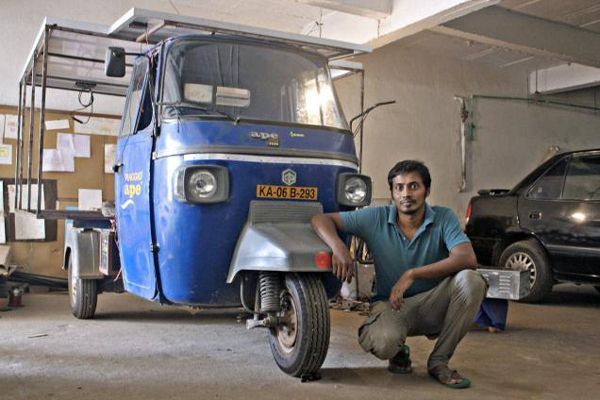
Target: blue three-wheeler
[(228, 145)]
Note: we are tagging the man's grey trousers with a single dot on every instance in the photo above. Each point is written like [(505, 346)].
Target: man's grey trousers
[(446, 311)]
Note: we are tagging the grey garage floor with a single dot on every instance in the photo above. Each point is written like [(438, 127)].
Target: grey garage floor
[(140, 350)]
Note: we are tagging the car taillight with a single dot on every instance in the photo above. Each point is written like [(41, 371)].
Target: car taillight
[(468, 217)]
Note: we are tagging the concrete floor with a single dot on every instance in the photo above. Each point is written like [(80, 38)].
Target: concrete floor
[(140, 350)]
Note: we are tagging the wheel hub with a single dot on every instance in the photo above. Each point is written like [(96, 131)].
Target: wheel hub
[(521, 261), (287, 329)]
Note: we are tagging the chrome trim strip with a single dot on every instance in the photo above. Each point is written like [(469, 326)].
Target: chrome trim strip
[(573, 250), (267, 159), (257, 151)]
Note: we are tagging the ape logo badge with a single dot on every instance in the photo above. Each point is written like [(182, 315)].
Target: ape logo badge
[(288, 177)]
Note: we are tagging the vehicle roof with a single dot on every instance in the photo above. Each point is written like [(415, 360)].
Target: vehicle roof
[(532, 176), (76, 50)]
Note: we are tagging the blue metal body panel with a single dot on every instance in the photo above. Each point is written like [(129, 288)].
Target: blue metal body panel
[(197, 241), (132, 207), (193, 134)]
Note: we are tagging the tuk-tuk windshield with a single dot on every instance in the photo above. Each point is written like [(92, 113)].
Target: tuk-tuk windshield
[(248, 80)]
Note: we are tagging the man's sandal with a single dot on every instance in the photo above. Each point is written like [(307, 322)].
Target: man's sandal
[(445, 375), (401, 363)]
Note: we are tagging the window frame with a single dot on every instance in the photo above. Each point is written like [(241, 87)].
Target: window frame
[(573, 158), (133, 126), (172, 43), (566, 161)]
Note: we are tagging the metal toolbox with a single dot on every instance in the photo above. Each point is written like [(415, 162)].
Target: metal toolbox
[(506, 284)]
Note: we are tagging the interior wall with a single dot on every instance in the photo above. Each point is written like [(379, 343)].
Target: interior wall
[(45, 257), (510, 137)]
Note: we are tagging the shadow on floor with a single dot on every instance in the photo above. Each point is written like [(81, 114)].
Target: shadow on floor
[(573, 296), (216, 317)]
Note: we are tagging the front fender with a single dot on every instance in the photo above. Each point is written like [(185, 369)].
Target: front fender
[(83, 247), (278, 243)]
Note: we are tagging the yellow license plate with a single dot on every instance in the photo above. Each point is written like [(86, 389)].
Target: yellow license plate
[(286, 192)]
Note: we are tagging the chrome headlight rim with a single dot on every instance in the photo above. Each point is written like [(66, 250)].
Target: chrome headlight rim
[(207, 179), (342, 184), (355, 190), (183, 180)]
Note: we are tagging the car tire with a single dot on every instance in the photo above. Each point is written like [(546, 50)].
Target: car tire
[(300, 345), (83, 294), (597, 288), (529, 255)]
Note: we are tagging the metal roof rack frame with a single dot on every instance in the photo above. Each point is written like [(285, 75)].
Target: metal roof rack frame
[(69, 55)]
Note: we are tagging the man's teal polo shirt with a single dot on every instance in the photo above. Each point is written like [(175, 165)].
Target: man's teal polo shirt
[(393, 253)]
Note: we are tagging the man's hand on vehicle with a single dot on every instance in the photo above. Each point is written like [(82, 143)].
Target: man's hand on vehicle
[(397, 294), (342, 264)]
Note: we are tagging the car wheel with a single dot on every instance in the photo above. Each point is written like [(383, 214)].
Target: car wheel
[(83, 294), (528, 255), (597, 288), (299, 343)]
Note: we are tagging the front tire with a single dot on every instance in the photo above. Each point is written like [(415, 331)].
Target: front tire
[(528, 255), (83, 294), (299, 344)]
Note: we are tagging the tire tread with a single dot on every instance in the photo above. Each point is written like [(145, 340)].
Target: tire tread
[(315, 334)]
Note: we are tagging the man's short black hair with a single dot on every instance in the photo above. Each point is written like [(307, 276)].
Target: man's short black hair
[(406, 166)]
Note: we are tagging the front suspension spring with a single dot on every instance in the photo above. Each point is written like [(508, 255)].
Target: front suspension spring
[(270, 289)]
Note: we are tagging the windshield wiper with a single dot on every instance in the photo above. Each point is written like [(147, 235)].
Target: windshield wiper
[(195, 107)]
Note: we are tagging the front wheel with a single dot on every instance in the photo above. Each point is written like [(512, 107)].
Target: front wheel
[(83, 294), (299, 343)]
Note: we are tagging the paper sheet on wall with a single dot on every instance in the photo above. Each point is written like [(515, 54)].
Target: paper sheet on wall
[(10, 126), (99, 126), (24, 197), (6, 154), (57, 124), (27, 226), (78, 145), (90, 199), (56, 160), (110, 150), (82, 145), (2, 229)]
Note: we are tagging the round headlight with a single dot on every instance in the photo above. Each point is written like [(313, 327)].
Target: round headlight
[(355, 190), (202, 184)]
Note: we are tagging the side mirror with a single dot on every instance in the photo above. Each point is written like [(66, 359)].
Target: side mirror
[(114, 62)]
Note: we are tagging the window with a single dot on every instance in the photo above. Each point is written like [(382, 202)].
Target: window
[(549, 186), (250, 81), (134, 97), (583, 179)]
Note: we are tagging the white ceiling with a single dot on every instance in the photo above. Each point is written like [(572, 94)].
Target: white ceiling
[(283, 15), (298, 16)]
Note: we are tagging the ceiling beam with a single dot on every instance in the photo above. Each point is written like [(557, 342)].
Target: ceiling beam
[(500, 27), (407, 18)]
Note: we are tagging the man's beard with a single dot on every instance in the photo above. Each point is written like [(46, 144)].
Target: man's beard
[(409, 212)]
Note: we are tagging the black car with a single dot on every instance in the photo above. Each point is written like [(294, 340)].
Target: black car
[(548, 224)]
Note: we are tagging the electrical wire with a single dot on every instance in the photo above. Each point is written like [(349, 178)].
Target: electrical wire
[(88, 104)]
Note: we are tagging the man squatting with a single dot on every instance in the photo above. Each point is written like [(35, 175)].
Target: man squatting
[(426, 283)]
